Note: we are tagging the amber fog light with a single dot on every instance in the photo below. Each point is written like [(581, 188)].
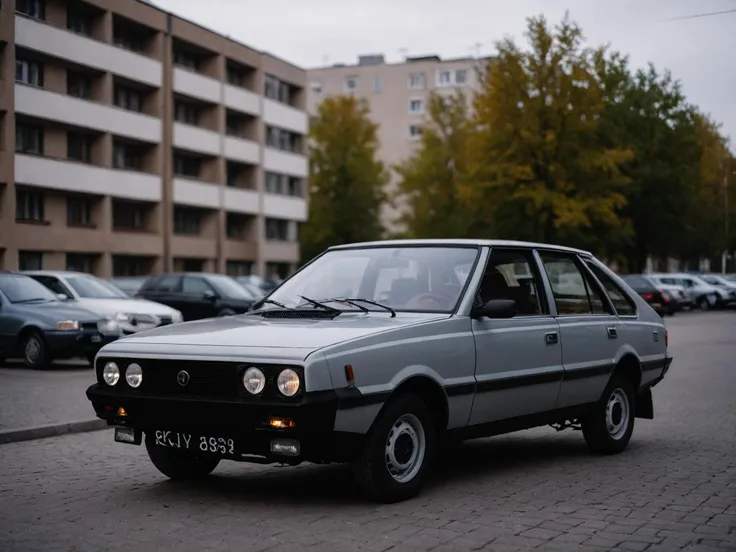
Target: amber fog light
[(288, 382)]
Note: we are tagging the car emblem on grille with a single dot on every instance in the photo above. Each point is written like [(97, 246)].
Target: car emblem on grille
[(182, 378)]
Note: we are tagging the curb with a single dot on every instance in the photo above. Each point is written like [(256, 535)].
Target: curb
[(51, 430)]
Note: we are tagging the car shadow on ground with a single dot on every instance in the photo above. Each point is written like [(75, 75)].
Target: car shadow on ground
[(334, 485), (58, 365)]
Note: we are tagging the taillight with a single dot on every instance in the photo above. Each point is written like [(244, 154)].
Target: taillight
[(664, 295), (648, 296), (666, 338)]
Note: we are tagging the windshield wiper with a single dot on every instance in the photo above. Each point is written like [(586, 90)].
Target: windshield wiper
[(320, 305), (349, 302), (352, 301), (272, 302)]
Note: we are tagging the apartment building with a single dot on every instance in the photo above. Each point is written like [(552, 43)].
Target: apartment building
[(145, 143), (397, 94)]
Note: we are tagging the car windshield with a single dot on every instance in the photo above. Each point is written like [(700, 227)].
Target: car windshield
[(227, 287), (714, 280), (89, 287), (411, 279), (24, 289)]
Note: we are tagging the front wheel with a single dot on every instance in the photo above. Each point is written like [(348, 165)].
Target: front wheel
[(180, 464), (35, 351), (609, 426), (398, 451)]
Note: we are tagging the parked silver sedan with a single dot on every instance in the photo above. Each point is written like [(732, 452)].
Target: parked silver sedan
[(378, 353)]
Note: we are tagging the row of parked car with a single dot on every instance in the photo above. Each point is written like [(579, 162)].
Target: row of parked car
[(47, 315), (669, 293)]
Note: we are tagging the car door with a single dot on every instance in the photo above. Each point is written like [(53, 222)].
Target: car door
[(589, 328), (7, 329), (165, 290), (518, 360), (194, 301)]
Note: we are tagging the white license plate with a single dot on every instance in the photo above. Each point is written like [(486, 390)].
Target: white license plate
[(188, 441)]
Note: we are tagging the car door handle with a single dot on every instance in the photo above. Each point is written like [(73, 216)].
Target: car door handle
[(612, 333), (550, 338)]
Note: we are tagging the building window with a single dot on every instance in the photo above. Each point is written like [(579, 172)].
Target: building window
[(125, 265), (417, 81), (351, 84), (80, 262), (316, 88), (234, 76), (415, 131), (185, 60), (376, 84), (128, 98), (282, 139), (78, 85), (280, 230), (28, 139), (31, 8), (78, 146), (79, 23), (126, 156), (186, 113), (461, 77), (444, 78), (416, 107), (187, 221), (78, 211), (128, 216), (30, 260), (127, 40), (238, 268), (187, 166), (29, 72), (283, 184), (235, 226), (278, 90), (29, 206)]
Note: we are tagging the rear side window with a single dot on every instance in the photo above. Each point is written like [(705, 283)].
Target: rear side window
[(168, 283), (573, 293), (623, 304)]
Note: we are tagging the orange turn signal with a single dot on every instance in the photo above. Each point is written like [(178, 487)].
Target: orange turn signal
[(281, 423), (122, 412)]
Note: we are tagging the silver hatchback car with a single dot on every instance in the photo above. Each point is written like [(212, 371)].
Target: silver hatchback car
[(378, 353)]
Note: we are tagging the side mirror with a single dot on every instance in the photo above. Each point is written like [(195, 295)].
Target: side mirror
[(497, 308), (62, 296), (210, 295)]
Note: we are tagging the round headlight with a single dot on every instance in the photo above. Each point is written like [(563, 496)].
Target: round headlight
[(288, 382), (254, 381), (134, 375), (110, 373)]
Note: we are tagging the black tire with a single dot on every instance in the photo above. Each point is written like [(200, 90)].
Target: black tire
[(91, 358), (35, 351), (704, 304), (178, 464), (395, 423), (600, 439)]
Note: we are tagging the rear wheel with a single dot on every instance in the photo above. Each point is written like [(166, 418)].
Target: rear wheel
[(398, 451), (180, 464), (609, 426)]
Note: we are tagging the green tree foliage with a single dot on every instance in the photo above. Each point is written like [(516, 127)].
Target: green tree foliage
[(430, 178), (346, 181)]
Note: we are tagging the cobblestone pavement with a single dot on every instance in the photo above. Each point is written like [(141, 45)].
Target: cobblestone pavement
[(33, 397), (673, 489)]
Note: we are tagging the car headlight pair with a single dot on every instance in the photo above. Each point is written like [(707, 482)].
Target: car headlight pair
[(133, 374), (254, 380)]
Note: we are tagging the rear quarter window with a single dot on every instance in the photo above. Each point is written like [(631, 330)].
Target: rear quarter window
[(624, 305)]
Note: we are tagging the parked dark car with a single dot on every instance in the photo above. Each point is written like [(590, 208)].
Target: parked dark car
[(659, 299), (198, 295), (129, 284), (37, 326)]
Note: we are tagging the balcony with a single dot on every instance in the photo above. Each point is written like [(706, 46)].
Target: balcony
[(78, 177), (197, 139), (61, 108), (241, 201), (284, 116), (281, 251), (61, 43), (197, 194), (285, 207), (284, 162), (245, 151), (242, 100), (236, 249), (193, 246), (197, 86)]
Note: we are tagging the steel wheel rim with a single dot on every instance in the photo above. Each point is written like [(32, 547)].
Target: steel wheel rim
[(33, 350), (405, 448), (618, 413)]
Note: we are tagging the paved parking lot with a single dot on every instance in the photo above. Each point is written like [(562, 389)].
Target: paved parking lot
[(673, 489)]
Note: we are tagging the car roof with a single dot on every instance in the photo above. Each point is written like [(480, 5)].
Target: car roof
[(459, 242), (57, 273)]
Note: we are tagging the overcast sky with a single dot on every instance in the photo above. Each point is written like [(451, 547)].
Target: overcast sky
[(700, 51)]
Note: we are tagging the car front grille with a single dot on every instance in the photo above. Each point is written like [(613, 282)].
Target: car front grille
[(206, 379)]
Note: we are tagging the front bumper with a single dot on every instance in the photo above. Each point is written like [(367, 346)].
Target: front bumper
[(247, 422), (82, 343)]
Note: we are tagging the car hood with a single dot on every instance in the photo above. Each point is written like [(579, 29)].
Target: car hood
[(56, 311), (110, 307), (254, 331)]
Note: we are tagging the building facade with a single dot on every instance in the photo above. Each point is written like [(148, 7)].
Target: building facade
[(145, 143), (397, 94)]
